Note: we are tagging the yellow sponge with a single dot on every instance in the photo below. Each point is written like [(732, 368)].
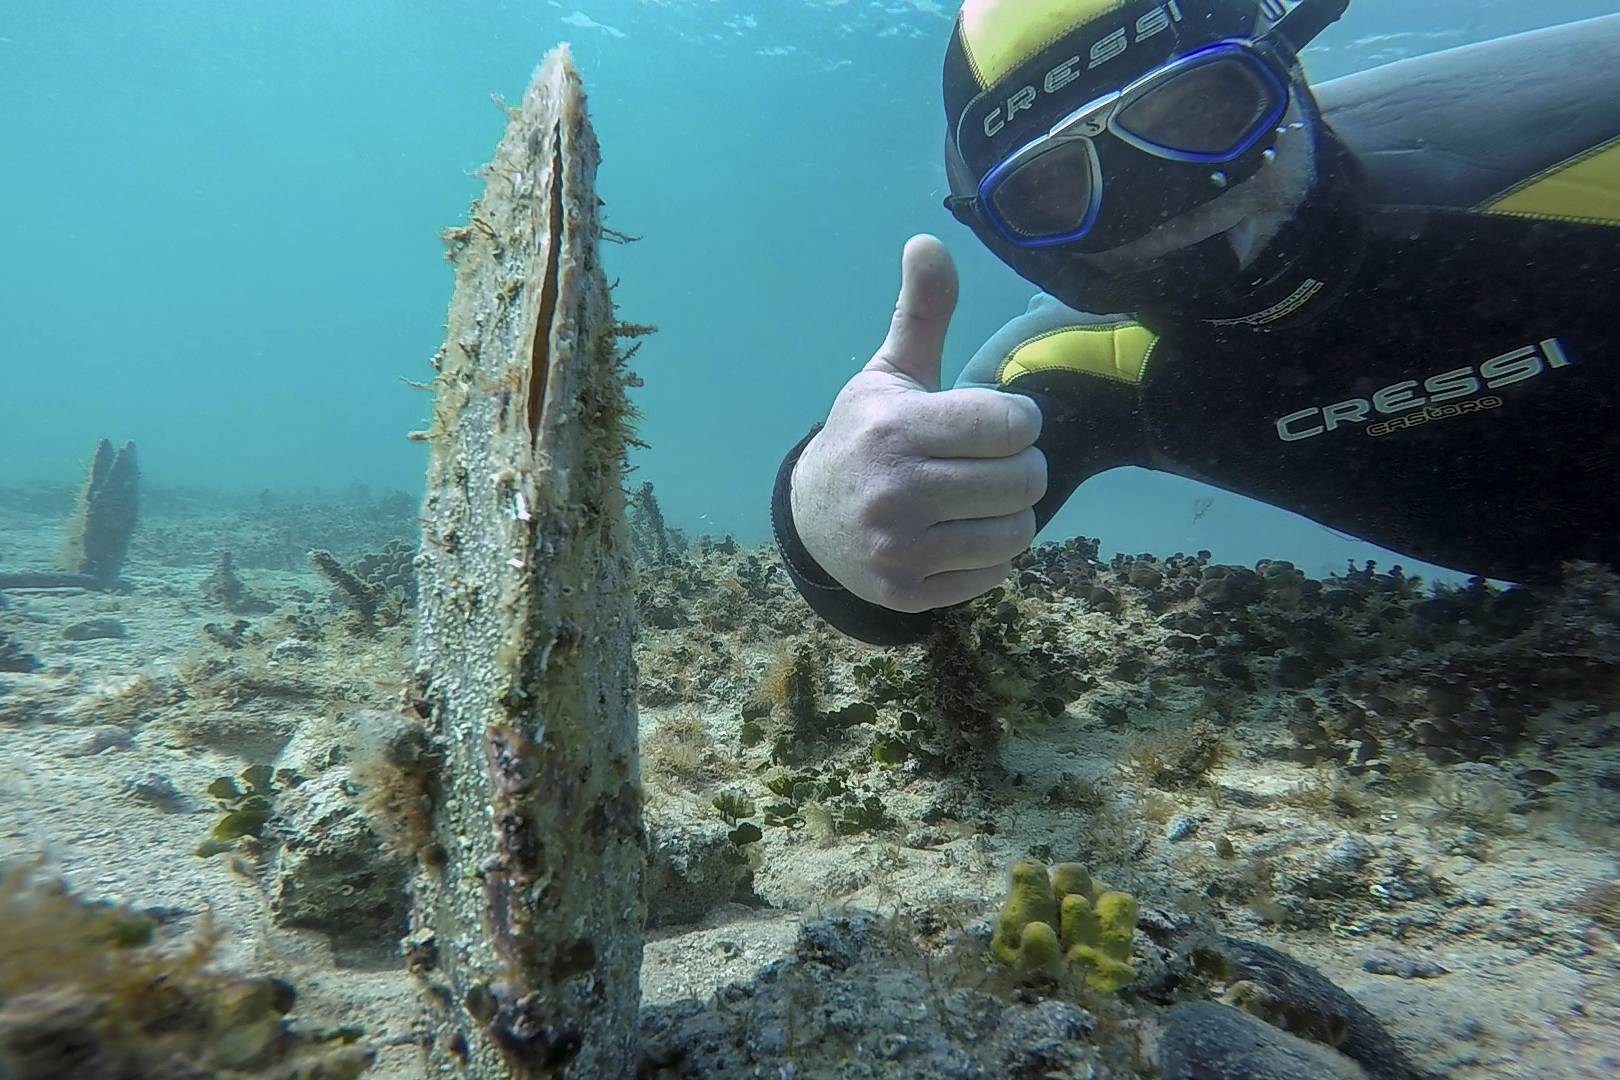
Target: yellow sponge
[(1063, 912), (1029, 900)]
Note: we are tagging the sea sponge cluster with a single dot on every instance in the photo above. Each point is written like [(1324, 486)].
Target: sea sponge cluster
[(1061, 916)]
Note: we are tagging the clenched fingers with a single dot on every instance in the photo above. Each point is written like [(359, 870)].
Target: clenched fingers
[(976, 544), (953, 587), (972, 422), (979, 488)]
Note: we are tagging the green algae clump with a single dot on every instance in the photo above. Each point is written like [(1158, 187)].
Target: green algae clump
[(1061, 916), (87, 990)]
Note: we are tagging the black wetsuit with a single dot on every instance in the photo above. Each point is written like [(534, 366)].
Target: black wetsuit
[(1442, 379)]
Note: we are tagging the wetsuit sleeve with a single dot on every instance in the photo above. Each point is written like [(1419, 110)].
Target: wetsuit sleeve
[(1081, 370), (1085, 372)]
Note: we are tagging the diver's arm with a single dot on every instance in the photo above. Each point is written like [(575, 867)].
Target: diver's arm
[(1083, 371), (1089, 423)]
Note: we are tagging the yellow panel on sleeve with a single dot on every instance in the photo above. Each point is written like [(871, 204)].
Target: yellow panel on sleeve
[(998, 35), (1583, 189), (1117, 351)]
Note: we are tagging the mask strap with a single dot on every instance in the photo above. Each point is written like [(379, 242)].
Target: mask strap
[(1301, 25)]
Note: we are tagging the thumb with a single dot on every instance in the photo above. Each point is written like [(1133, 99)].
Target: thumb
[(916, 341)]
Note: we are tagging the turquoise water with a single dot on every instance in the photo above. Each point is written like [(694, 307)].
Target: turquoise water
[(221, 224)]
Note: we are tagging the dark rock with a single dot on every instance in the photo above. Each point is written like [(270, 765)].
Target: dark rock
[(12, 658), (91, 629), (1537, 777), (156, 790), (1388, 960), (98, 739), (1330, 872), (1230, 588), (1312, 1006), (693, 868), (332, 872), (1103, 599), (1294, 671), (292, 649), (231, 637), (1213, 1042), (1145, 576), (1046, 1040), (837, 941)]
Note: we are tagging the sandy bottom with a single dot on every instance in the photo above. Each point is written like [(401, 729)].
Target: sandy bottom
[(1473, 938)]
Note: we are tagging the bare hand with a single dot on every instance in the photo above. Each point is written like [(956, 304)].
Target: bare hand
[(911, 497)]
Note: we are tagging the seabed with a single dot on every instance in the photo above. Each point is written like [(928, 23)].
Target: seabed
[(1411, 792)]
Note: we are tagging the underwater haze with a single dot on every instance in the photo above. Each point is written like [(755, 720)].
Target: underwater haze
[(400, 680), (221, 225)]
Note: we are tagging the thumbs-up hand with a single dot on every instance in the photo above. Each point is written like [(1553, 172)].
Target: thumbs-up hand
[(911, 497)]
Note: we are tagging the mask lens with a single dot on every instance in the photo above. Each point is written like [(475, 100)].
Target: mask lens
[(1051, 194), (1210, 110)]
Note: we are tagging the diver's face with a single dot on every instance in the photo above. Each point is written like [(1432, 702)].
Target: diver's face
[(1249, 215)]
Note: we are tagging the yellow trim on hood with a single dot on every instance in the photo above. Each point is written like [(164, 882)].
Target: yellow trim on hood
[(998, 35)]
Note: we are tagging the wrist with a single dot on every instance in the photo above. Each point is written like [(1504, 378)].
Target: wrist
[(787, 510)]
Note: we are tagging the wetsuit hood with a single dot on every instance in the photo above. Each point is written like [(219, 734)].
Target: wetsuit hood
[(994, 105)]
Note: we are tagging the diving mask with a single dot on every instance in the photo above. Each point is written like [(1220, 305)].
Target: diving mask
[(1169, 141)]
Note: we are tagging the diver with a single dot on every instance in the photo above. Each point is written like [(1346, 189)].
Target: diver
[(1381, 302)]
